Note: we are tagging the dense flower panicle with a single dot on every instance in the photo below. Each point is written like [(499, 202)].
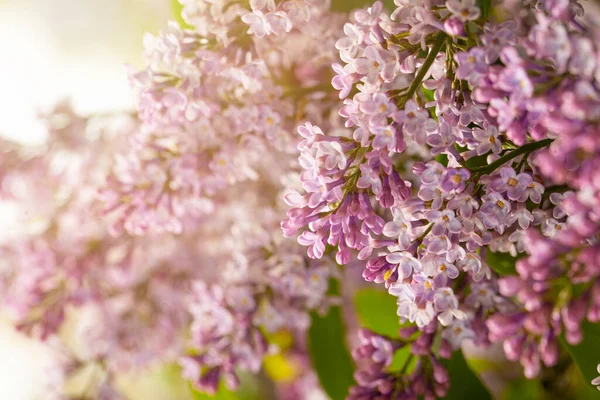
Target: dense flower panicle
[(431, 139), (171, 220), (513, 97), (210, 94), (428, 377), (65, 267)]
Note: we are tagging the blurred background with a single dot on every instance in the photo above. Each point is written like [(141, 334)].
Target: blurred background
[(57, 48), (53, 49)]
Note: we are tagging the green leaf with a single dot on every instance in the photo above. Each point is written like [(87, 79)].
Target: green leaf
[(484, 6), (329, 355), (502, 263), (442, 159), (376, 311), (524, 389), (587, 353), (464, 384)]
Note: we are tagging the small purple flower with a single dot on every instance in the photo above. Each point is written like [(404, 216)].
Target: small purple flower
[(494, 210), (350, 44), (438, 244), (487, 140), (444, 299), (456, 333), (454, 180), (376, 63), (315, 243), (465, 10), (369, 178), (398, 228), (441, 141), (464, 203), (514, 185), (380, 104), (406, 264), (385, 137), (343, 80), (432, 194), (439, 268), (497, 37), (471, 65), (403, 291), (415, 122), (432, 173), (514, 80), (533, 191), (443, 222), (371, 16)]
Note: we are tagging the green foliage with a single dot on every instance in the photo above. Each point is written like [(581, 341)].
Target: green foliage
[(177, 7), (376, 311), (252, 387), (485, 6), (502, 263), (348, 5), (329, 354), (464, 383), (222, 394), (524, 389), (587, 354)]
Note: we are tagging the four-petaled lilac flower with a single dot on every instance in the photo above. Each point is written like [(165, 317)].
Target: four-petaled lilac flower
[(343, 80), (487, 139), (398, 228), (514, 185), (444, 222), (403, 291), (471, 65), (466, 10), (454, 180), (405, 262), (494, 210), (415, 121), (377, 63), (514, 80), (385, 137)]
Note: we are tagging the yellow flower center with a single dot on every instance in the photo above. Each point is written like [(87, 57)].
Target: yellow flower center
[(387, 275)]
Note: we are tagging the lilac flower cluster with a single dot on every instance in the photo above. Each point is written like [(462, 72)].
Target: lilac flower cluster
[(184, 233), (259, 296), (427, 378), (454, 140), (469, 138), (209, 95), (65, 269)]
